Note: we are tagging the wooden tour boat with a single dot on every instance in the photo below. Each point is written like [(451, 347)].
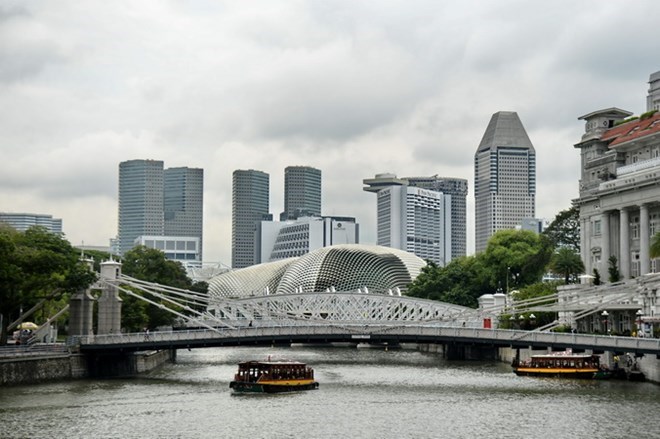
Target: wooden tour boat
[(273, 377), (561, 364)]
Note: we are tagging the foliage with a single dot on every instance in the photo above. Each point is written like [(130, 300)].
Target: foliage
[(34, 265), (613, 269), (564, 230), (655, 246), (515, 258), (597, 280), (567, 263), (151, 265)]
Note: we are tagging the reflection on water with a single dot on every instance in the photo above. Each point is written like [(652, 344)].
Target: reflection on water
[(366, 393)]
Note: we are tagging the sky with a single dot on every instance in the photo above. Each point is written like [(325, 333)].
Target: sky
[(354, 88)]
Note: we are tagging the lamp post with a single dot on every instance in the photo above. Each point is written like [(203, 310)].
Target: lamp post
[(639, 314), (512, 320), (522, 320), (532, 320), (605, 315)]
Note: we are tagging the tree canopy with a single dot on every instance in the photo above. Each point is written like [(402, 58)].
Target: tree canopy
[(564, 230), (34, 265)]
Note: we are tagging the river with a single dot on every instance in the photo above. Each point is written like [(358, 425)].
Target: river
[(364, 393)]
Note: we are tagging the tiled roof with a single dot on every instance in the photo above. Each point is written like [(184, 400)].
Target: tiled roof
[(632, 131)]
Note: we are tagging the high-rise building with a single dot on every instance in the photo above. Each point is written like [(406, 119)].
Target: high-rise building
[(183, 203), (140, 201), (457, 188), (250, 205), (412, 218), (302, 192), (23, 221), (653, 98), (154, 201), (504, 177)]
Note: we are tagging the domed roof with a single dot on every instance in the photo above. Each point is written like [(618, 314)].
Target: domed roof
[(339, 267)]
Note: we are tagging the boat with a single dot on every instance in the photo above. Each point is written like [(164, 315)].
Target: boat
[(561, 364), (273, 377)]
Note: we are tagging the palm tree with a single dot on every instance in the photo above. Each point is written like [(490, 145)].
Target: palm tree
[(567, 263), (655, 246)]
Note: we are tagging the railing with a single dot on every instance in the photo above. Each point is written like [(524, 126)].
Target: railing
[(12, 351), (639, 166), (375, 331)]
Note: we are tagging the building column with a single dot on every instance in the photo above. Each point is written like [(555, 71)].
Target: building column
[(644, 240), (624, 243), (605, 251), (585, 244)]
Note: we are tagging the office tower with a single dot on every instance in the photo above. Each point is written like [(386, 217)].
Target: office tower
[(23, 221), (155, 203), (411, 218), (140, 201), (504, 177), (250, 204), (457, 188), (183, 203), (302, 192)]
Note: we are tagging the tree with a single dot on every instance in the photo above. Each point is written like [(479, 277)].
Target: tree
[(655, 246), (516, 258), (613, 269), (34, 265), (151, 265), (596, 277), (567, 263), (564, 231)]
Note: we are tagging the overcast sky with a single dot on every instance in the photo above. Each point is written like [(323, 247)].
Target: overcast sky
[(353, 88)]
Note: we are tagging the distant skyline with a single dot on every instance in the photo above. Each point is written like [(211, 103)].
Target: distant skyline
[(353, 89)]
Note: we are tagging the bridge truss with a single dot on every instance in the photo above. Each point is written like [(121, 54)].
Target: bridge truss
[(199, 310)]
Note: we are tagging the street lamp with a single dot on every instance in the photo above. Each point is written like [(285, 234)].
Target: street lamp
[(605, 315), (639, 314), (512, 321)]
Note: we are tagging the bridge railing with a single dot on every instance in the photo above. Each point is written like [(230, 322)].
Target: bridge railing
[(362, 331)]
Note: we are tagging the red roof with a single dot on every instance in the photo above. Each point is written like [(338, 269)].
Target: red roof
[(632, 130)]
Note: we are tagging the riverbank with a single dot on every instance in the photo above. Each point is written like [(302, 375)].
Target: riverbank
[(31, 367)]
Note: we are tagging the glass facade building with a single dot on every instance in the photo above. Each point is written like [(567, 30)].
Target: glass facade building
[(250, 205), (302, 192)]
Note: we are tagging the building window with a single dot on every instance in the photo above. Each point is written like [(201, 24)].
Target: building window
[(634, 231), (596, 228)]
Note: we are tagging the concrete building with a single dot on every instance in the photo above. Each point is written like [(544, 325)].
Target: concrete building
[(154, 201), (619, 190), (23, 221), (457, 188), (412, 219), (504, 177), (653, 98), (185, 249), (250, 205), (294, 238), (302, 192)]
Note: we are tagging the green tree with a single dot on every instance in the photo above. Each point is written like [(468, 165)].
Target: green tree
[(596, 277), (613, 269), (516, 258), (564, 231), (151, 265), (655, 246), (567, 263), (34, 265)]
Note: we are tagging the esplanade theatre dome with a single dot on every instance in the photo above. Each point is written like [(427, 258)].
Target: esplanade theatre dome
[(340, 267)]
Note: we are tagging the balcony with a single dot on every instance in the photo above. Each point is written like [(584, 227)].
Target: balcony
[(639, 166)]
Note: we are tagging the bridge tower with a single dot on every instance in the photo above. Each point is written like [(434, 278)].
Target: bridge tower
[(81, 309), (110, 302)]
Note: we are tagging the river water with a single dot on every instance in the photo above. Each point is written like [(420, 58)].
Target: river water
[(364, 393)]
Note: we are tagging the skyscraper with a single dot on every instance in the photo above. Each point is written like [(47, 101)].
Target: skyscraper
[(140, 201), (412, 218), (250, 204), (183, 202), (23, 221), (504, 177), (457, 188), (158, 202), (302, 192)]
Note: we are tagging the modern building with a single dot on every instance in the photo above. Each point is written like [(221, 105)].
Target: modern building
[(185, 249), (536, 225), (653, 98), (294, 238), (620, 188), (302, 192), (23, 221), (457, 188), (412, 219), (154, 201), (183, 204), (250, 205), (504, 177)]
